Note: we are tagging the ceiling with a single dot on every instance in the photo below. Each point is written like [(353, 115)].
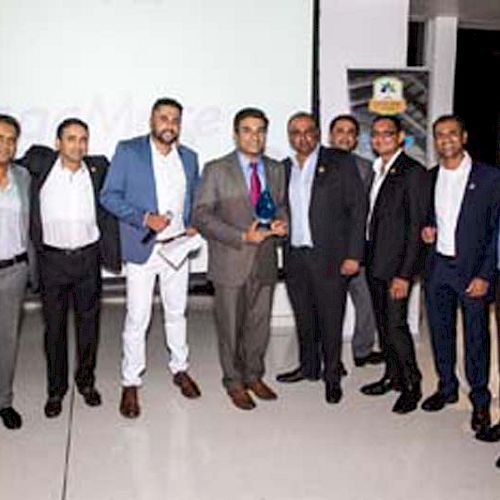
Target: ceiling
[(471, 13)]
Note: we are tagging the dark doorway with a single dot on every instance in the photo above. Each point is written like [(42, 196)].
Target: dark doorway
[(477, 91)]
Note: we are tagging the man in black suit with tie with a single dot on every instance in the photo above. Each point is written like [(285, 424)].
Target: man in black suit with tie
[(462, 234), (344, 132), (398, 201), (73, 236), (325, 246)]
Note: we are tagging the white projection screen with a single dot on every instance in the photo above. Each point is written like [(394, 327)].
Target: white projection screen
[(106, 61)]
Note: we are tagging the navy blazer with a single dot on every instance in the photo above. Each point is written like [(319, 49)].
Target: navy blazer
[(477, 227), (129, 192)]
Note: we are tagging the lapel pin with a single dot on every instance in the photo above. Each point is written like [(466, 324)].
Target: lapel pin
[(321, 169), (472, 186), (392, 171)]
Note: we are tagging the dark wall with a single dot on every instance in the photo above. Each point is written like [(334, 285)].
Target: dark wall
[(477, 91)]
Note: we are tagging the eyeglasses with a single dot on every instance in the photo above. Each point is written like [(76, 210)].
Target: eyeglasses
[(383, 133)]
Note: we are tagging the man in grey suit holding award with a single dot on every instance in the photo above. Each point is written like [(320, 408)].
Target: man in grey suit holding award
[(242, 261)]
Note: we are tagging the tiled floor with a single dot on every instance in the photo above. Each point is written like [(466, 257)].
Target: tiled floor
[(297, 448)]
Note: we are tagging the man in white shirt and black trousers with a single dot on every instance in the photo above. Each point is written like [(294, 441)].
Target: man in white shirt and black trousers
[(73, 235)]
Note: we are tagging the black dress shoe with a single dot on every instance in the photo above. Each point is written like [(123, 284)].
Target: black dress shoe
[(333, 393), (373, 358), (91, 396), (438, 401), (497, 463), (295, 376), (379, 388), (480, 420), (490, 434), (11, 419), (408, 401), (53, 407)]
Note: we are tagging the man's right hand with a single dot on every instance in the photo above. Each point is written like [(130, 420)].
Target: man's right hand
[(429, 235), (157, 222), (255, 235)]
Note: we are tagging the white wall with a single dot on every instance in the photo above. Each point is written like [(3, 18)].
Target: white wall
[(357, 34)]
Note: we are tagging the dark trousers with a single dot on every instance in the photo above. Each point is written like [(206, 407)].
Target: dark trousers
[(317, 293), (497, 315), (243, 321), (63, 277), (444, 291), (395, 337)]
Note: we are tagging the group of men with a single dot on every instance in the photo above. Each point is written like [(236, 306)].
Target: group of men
[(346, 226)]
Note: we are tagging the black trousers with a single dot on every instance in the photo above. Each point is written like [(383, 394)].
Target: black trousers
[(70, 276), (394, 333), (317, 293)]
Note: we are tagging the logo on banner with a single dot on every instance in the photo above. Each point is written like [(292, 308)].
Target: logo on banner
[(388, 96)]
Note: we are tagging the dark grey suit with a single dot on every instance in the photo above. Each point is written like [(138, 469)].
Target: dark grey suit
[(243, 274), (364, 326)]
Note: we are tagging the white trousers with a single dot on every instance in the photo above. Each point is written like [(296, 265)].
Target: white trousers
[(141, 280)]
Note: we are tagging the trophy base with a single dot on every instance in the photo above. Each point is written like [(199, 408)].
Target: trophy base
[(264, 225)]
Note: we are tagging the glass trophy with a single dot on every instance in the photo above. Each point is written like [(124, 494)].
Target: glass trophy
[(265, 210)]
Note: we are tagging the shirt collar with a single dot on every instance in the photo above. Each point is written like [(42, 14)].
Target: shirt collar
[(156, 152), (245, 162), (464, 167), (62, 168), (312, 159), (10, 179), (377, 164)]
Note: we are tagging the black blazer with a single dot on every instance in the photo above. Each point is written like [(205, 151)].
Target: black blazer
[(337, 211), (39, 160), (395, 246), (476, 234)]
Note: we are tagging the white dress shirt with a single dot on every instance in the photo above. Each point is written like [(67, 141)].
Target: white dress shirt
[(299, 199), (448, 197), (67, 208), (170, 181), (13, 221), (381, 172)]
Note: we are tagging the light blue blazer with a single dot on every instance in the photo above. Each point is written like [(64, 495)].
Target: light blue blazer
[(129, 192)]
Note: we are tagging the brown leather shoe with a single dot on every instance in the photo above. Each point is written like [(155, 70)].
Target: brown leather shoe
[(241, 399), (188, 386), (262, 391), (129, 404)]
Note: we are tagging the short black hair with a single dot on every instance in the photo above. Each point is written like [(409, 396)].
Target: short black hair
[(10, 120), (392, 118), (446, 118), (249, 113), (303, 114), (349, 118), (167, 101), (67, 123)]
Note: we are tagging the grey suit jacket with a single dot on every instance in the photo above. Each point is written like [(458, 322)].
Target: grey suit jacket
[(365, 171), (222, 212)]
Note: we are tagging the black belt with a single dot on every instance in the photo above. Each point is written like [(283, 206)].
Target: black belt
[(303, 248), (69, 251), (23, 257)]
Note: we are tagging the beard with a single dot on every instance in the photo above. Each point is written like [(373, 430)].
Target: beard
[(167, 136)]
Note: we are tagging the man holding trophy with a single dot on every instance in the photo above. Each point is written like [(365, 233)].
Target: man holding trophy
[(150, 188), (240, 210)]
